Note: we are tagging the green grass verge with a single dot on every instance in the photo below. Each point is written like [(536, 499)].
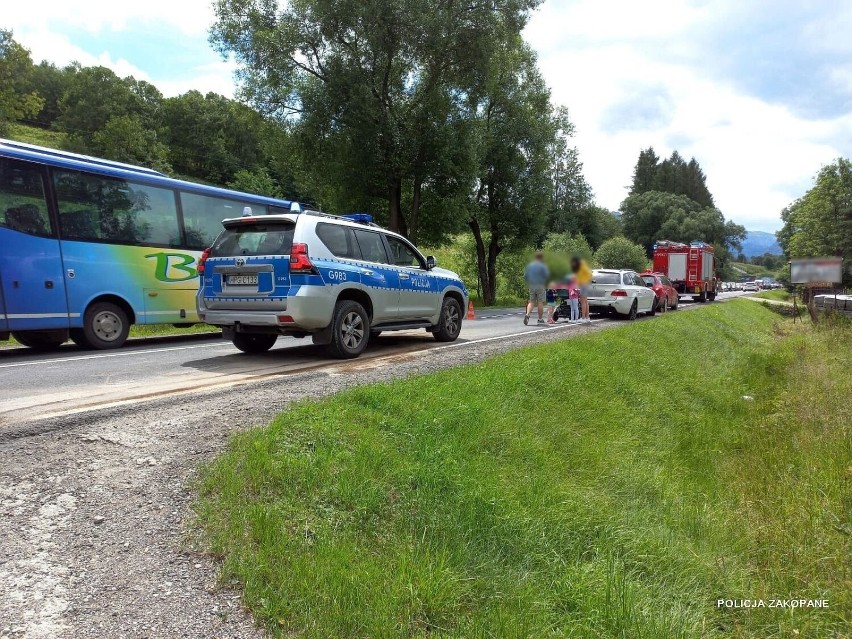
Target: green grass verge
[(778, 295), (610, 485)]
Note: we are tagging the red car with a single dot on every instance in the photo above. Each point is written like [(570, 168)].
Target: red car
[(667, 296)]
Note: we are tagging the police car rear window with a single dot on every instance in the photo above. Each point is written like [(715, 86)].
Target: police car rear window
[(255, 239)]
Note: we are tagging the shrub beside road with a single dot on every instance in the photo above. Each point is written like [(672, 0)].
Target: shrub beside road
[(616, 484)]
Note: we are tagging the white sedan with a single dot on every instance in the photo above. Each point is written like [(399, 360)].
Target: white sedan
[(622, 292)]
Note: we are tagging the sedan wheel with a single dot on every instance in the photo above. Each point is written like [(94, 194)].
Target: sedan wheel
[(634, 311)]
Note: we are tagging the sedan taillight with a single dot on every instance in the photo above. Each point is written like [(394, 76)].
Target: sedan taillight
[(619, 293)]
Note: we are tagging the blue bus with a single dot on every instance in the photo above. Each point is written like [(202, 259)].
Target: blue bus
[(89, 247)]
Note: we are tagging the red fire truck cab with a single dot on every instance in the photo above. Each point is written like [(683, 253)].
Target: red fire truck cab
[(690, 267)]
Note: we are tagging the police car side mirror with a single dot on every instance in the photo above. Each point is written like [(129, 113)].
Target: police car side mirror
[(431, 262)]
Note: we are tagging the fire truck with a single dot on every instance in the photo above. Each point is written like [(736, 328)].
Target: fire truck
[(690, 267)]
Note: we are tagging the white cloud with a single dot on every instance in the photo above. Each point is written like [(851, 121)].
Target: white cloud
[(612, 63), (190, 16), (215, 77)]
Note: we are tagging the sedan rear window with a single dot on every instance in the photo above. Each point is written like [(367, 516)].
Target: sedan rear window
[(255, 239), (607, 278)]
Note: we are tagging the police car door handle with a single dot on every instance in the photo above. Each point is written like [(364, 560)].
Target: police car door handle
[(403, 276), (367, 272)]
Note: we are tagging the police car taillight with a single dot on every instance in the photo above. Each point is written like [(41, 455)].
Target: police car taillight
[(299, 260), (202, 260)]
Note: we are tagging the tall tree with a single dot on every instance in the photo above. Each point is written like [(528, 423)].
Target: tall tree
[(672, 175), (376, 84), (820, 223), (94, 96), (571, 195), (211, 137), (50, 83), (517, 129), (16, 101), (645, 173), (655, 215)]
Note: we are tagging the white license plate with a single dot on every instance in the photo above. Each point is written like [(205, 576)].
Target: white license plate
[(241, 280)]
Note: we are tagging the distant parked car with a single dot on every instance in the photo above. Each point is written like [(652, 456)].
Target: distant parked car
[(667, 296), (620, 292), (751, 286)]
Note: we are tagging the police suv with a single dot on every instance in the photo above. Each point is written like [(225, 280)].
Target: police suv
[(340, 279)]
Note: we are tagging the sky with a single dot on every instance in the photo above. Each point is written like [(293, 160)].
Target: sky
[(758, 91)]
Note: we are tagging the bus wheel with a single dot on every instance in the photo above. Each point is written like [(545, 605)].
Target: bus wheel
[(105, 326), (42, 340)]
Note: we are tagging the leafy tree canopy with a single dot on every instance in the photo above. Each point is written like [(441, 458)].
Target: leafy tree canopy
[(673, 175), (619, 252), (820, 223), (16, 101), (377, 91)]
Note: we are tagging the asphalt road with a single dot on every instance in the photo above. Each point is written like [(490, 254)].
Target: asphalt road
[(36, 386)]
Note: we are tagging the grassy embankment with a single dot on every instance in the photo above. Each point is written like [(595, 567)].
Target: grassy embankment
[(603, 486), (35, 135), (777, 295), (753, 269)]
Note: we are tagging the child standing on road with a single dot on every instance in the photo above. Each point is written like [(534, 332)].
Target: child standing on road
[(551, 302), (574, 299)]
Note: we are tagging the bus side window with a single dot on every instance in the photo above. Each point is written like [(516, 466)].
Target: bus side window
[(95, 207), (203, 215), (22, 203)]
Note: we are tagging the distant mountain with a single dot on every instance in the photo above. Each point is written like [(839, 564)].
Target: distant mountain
[(760, 242)]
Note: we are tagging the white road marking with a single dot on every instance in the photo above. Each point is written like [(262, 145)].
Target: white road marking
[(498, 337), (105, 355)]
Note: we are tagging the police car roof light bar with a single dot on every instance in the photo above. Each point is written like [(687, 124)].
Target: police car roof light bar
[(362, 218)]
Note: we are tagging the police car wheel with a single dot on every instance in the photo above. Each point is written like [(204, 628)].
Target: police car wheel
[(257, 343), (449, 325), (350, 330)]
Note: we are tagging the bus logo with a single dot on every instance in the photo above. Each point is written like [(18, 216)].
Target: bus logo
[(240, 261), (173, 267)]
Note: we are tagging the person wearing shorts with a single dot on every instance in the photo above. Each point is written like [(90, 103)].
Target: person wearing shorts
[(536, 275), (583, 275)]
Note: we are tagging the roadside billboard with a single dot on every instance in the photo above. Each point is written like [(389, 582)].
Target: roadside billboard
[(828, 270)]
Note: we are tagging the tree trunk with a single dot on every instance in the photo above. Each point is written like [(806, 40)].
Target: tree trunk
[(415, 209), (487, 276), (493, 252), (397, 221)]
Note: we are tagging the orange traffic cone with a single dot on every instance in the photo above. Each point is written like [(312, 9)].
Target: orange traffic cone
[(471, 314)]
